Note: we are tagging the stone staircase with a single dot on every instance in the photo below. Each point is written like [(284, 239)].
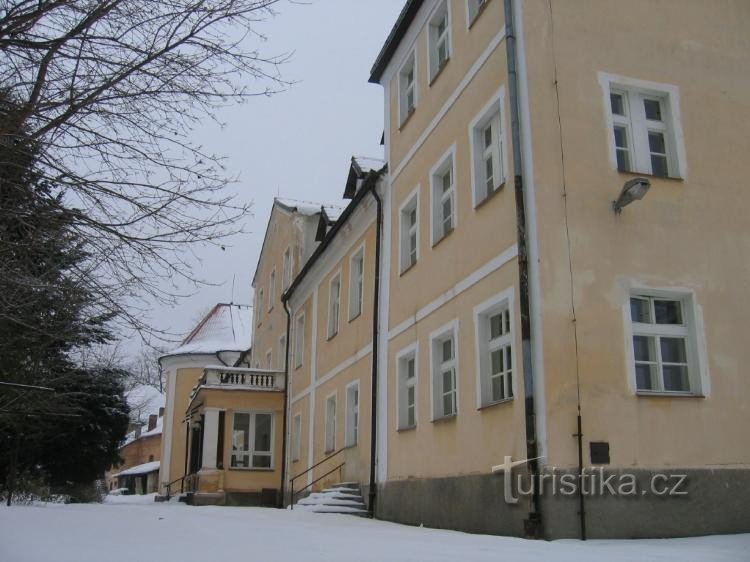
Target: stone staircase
[(344, 497)]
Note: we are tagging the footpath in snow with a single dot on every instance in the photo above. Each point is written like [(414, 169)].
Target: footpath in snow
[(135, 529)]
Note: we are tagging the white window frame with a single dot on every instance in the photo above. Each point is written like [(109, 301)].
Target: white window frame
[(282, 352), (409, 353), (474, 9), (269, 359), (438, 367), (271, 289), (411, 202), (492, 112), (692, 330), (637, 126), (259, 306), (446, 162), (334, 306), (296, 443), (442, 9), (404, 110), (503, 301), (356, 286), (330, 424), (251, 452), (286, 271), (351, 433), (299, 340)]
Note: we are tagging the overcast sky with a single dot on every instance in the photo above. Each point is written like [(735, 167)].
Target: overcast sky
[(298, 143)]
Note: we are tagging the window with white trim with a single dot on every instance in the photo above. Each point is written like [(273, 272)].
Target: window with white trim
[(407, 391), (356, 283), (443, 199), (330, 427), (252, 440), (352, 414), (407, 88), (286, 272), (269, 359), (334, 305), (439, 37), (282, 353), (444, 375), (642, 132), (475, 8), (487, 153), (664, 344), (409, 233), (271, 289), (296, 436), (259, 307), (495, 354), (299, 341)]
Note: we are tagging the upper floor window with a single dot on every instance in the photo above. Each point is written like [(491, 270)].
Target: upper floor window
[(407, 388), (352, 414), (444, 374), (299, 340), (645, 130), (259, 307), (664, 344), (271, 289), (409, 232), (296, 437), (443, 198), (407, 87), (334, 305), (439, 39), (495, 347), (269, 359), (282, 353), (487, 151), (286, 272), (474, 8), (356, 283)]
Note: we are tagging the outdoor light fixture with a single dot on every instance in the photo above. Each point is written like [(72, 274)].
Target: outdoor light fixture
[(632, 190)]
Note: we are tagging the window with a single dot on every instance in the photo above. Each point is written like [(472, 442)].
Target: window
[(444, 374), (330, 436), (664, 349), (356, 283), (334, 304), (407, 88), (299, 341), (271, 289), (252, 439), (259, 307), (474, 8), (286, 272), (443, 198), (409, 231), (486, 133), (269, 359), (282, 353), (644, 126), (352, 414), (407, 388), (439, 39), (495, 349), (296, 436)]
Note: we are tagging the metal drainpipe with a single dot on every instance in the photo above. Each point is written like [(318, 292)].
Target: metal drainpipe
[(286, 404), (375, 330), (533, 526)]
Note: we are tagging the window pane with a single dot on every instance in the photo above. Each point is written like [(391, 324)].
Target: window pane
[(643, 348), (263, 432), (488, 136), (498, 388), (640, 310), (507, 358), (673, 350), (261, 461), (644, 377), (510, 381), (668, 312), (410, 417), (621, 137), (496, 360), (410, 396), (506, 315), (675, 378), (447, 381), (617, 104), (447, 181), (447, 350), (496, 326), (656, 142), (653, 109), (412, 217), (659, 165), (410, 369), (623, 160)]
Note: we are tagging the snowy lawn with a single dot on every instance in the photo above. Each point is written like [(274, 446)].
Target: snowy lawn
[(135, 529)]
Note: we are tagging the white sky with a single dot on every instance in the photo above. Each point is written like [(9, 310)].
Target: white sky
[(298, 143)]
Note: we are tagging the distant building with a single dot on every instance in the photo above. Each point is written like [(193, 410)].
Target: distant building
[(140, 455)]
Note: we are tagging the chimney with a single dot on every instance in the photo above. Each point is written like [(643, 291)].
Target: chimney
[(152, 421), (161, 412)]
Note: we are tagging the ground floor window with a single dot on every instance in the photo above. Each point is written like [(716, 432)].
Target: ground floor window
[(252, 440)]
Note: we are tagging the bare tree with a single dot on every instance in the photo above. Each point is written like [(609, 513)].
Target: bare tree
[(108, 92)]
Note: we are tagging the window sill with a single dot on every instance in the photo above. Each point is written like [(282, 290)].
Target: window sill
[(493, 404), (490, 195), (330, 337), (351, 446), (406, 119), (406, 429), (241, 469), (439, 71), (445, 419), (329, 451), (636, 174), (443, 237), (667, 394), (405, 271), (481, 9), (298, 367), (353, 318)]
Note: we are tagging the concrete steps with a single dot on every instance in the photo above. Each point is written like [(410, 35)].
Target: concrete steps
[(344, 497)]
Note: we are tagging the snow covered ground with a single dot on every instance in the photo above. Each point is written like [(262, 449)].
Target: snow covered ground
[(135, 529)]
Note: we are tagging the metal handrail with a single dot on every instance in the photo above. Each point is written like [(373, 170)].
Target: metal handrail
[(181, 480), (317, 464), (298, 492)]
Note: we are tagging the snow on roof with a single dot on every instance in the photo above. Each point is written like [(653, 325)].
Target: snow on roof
[(367, 163), (146, 398), (144, 468), (310, 208), (228, 327)]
